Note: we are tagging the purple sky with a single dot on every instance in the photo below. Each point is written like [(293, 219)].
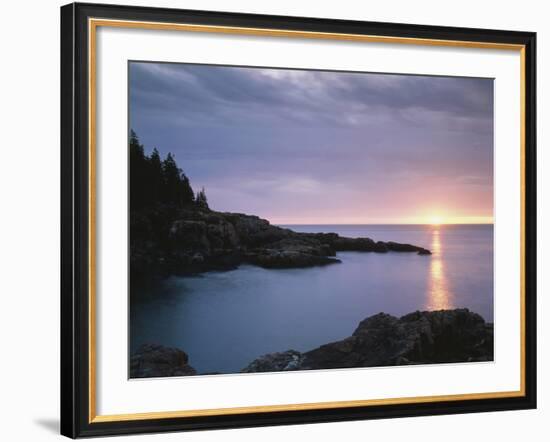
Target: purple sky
[(317, 147)]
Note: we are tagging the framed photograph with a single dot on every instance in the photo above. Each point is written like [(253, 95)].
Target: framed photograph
[(274, 220)]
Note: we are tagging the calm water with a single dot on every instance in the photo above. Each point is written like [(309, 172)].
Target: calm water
[(224, 320)]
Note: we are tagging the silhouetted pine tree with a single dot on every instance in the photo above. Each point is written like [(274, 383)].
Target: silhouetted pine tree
[(176, 185), (187, 190), (138, 172), (154, 181), (201, 200)]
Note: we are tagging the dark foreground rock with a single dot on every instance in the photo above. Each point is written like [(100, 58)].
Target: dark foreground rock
[(152, 360), (380, 340), (384, 340), (283, 361), (166, 240)]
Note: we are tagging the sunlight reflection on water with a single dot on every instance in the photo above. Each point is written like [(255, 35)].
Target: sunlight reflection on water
[(439, 294)]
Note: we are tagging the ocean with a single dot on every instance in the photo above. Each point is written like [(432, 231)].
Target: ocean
[(224, 320)]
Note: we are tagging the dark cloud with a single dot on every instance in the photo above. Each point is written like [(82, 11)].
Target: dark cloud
[(265, 140), (196, 91)]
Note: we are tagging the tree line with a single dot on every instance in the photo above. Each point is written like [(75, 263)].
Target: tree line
[(154, 180)]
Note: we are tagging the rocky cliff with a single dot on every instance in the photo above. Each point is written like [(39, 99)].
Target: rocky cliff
[(167, 240)]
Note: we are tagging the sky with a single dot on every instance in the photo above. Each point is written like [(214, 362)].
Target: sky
[(320, 147)]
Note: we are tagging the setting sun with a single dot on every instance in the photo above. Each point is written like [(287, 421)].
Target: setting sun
[(436, 220)]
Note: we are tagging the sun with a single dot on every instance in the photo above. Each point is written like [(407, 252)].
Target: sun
[(436, 220)]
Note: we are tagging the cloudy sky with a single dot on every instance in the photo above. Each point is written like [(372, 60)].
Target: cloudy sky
[(317, 147)]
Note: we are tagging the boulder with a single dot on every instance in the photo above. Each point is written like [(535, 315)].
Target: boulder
[(385, 340), (284, 361), (153, 360)]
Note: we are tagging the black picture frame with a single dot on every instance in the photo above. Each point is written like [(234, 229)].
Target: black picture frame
[(75, 219)]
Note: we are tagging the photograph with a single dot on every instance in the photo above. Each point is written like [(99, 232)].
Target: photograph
[(275, 220), (299, 219)]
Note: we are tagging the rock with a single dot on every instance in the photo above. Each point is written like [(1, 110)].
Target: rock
[(190, 235), (254, 231), (304, 245), (342, 244), (384, 340), (153, 360), (222, 235), (167, 240), (281, 259), (397, 247), (451, 335), (442, 336), (197, 259), (285, 361)]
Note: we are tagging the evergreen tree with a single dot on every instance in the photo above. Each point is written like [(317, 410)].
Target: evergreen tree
[(134, 141), (201, 199), (177, 188), (154, 181), (171, 175), (138, 172), (187, 191), (156, 176)]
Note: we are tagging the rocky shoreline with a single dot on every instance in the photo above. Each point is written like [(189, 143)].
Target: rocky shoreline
[(166, 240), (426, 337), (173, 231)]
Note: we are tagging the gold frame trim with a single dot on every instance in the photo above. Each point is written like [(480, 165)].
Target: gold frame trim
[(93, 24)]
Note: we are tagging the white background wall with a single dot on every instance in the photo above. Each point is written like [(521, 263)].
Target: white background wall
[(29, 220)]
